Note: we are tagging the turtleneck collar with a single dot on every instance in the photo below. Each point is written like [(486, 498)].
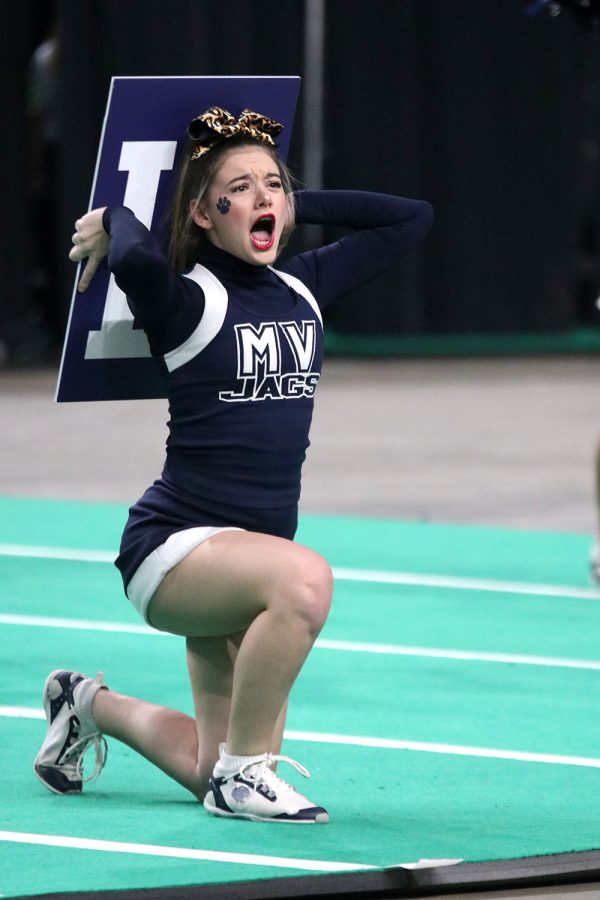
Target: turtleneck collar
[(223, 263)]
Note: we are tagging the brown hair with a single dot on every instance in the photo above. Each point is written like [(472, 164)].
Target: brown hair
[(194, 180)]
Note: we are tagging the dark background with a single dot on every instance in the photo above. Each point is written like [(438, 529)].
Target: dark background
[(492, 116)]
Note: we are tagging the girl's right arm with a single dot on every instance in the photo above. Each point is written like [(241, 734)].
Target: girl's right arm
[(160, 300)]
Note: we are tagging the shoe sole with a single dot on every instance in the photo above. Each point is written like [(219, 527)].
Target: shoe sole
[(320, 819), (47, 784), (50, 787)]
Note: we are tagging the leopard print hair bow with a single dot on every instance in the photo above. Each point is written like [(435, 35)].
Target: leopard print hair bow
[(217, 124)]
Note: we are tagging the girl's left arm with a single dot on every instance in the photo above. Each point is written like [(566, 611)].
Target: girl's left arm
[(384, 227)]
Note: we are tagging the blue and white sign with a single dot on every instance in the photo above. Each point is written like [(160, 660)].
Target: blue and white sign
[(106, 356)]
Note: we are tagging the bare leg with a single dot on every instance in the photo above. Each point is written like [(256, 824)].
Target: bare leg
[(164, 736), (183, 748), (278, 731), (210, 666), (275, 591), (261, 602)]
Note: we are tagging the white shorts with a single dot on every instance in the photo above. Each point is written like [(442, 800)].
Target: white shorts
[(151, 572)]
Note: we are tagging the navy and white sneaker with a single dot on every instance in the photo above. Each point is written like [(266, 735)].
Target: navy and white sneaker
[(595, 563), (255, 792), (67, 698)]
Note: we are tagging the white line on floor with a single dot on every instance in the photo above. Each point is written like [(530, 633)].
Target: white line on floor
[(466, 584), (79, 624), (21, 712), (66, 553), (322, 644), (373, 576), (448, 749), (467, 655), (25, 712), (309, 865)]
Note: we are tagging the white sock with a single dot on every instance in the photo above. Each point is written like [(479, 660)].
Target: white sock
[(86, 691), (229, 765)]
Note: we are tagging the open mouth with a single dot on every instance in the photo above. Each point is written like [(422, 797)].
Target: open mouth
[(262, 233)]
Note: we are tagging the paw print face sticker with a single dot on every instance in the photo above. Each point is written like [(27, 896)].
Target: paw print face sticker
[(223, 205)]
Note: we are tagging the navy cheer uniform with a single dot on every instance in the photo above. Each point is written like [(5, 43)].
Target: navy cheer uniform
[(241, 347)]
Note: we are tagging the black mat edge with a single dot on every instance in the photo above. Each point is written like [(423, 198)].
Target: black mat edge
[(528, 872)]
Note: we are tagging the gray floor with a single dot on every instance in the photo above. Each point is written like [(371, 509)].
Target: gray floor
[(506, 442)]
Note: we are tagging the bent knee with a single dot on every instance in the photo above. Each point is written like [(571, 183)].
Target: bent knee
[(311, 591)]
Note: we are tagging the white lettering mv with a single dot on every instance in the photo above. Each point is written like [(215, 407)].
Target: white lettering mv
[(259, 370)]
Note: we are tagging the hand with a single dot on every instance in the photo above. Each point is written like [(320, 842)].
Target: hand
[(90, 242)]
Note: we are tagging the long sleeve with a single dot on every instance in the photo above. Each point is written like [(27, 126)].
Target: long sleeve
[(384, 229), (158, 297)]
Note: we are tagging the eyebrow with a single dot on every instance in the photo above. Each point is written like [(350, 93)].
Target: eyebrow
[(248, 177)]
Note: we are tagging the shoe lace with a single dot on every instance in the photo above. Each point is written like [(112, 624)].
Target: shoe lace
[(261, 770), (78, 749)]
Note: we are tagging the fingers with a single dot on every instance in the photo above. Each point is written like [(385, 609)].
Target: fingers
[(82, 243), (88, 273), (78, 238), (76, 253), (90, 242)]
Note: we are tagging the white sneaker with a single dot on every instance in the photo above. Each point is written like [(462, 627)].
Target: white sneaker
[(67, 698), (255, 792)]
